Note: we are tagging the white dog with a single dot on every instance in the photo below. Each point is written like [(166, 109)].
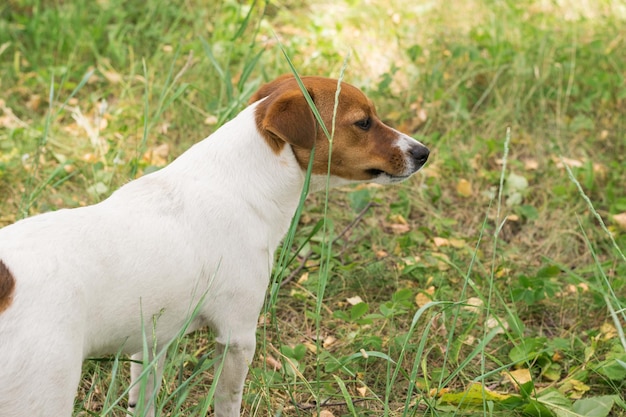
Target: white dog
[(198, 234)]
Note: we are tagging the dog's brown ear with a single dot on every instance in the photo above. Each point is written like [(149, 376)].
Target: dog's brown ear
[(287, 117), (268, 88)]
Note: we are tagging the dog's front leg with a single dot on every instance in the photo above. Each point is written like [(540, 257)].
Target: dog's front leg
[(149, 385), (235, 355)]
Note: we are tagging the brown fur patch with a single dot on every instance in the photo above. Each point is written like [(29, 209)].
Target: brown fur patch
[(7, 286), (358, 154)]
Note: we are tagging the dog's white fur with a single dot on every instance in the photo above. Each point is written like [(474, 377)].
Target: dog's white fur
[(199, 233)]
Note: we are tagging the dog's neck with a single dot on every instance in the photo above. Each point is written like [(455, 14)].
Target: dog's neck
[(269, 183)]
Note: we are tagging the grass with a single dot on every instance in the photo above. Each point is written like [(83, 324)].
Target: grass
[(491, 284)]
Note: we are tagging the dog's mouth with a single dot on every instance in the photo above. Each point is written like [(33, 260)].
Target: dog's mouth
[(378, 173)]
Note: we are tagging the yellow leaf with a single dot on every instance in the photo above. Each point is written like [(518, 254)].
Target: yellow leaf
[(620, 219), (443, 261), (157, 155), (441, 241), (311, 347), (476, 394), (574, 388), (362, 391), (422, 299), (303, 278), (464, 188), (457, 243), (518, 377), (608, 331), (329, 341), (398, 218)]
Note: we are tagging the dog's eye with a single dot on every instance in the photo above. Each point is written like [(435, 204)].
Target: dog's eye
[(364, 124)]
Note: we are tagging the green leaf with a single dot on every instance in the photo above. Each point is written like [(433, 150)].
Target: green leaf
[(527, 211), (358, 310), (595, 406), (557, 403), (359, 199), (527, 389), (613, 368), (535, 409), (516, 183), (549, 271), (529, 349)]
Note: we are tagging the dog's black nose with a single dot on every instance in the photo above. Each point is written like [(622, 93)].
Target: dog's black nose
[(419, 154)]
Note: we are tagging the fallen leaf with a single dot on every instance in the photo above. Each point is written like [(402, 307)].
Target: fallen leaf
[(464, 188), (620, 219), (600, 170), (422, 299), (531, 165), (457, 243), (210, 120), (503, 272), (273, 363), (476, 394), (608, 331), (324, 413), (354, 300), (90, 157), (399, 229), (311, 347), (398, 218), (329, 341), (362, 391), (518, 377), (441, 241), (572, 163), (303, 278), (157, 155), (443, 261), (473, 304), (380, 254), (574, 388), (112, 76), (411, 260), (469, 340), (34, 101), (492, 323)]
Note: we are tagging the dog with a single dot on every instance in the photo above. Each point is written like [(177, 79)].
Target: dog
[(196, 236)]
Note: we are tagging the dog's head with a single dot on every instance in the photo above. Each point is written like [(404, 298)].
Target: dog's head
[(364, 149)]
